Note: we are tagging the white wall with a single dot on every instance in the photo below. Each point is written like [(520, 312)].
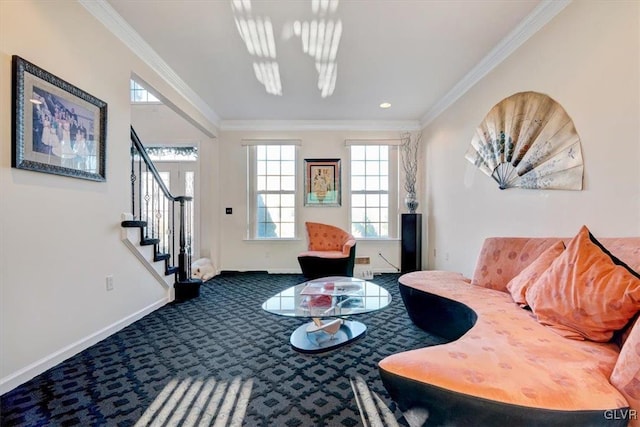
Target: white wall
[(60, 236), (237, 253), (587, 59)]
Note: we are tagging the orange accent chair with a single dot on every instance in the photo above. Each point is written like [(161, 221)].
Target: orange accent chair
[(331, 252)]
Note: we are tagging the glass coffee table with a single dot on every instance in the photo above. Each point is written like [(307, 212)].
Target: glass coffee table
[(328, 302)]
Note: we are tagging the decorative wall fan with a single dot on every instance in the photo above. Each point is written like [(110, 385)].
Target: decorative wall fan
[(528, 141)]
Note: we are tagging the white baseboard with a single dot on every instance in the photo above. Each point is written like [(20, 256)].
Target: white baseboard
[(284, 271), (12, 381), (385, 270)]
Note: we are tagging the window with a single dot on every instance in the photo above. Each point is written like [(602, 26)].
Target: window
[(272, 192), (374, 193), (140, 95), (172, 153)]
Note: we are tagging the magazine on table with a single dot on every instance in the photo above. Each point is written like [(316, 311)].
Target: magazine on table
[(332, 288), (331, 303)]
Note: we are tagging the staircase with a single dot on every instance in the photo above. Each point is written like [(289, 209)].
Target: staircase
[(156, 213)]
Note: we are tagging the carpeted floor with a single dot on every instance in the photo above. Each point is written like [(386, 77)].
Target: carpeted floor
[(221, 360)]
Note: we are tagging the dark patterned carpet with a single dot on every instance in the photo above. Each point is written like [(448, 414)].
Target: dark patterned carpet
[(221, 360)]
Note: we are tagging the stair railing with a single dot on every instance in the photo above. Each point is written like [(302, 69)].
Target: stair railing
[(153, 204)]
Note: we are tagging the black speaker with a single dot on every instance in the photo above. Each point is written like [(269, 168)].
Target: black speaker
[(411, 255)]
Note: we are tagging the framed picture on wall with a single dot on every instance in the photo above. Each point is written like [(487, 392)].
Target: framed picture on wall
[(57, 128), (322, 182)]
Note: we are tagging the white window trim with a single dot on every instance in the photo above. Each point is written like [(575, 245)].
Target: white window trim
[(350, 142)]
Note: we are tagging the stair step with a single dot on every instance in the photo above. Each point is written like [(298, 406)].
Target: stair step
[(161, 257), (133, 224), (149, 242), (170, 270)]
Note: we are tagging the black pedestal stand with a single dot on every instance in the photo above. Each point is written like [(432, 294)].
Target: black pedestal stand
[(411, 255)]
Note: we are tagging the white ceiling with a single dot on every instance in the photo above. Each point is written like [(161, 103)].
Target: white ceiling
[(416, 54)]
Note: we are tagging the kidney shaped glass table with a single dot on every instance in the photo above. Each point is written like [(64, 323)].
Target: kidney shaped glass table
[(328, 302)]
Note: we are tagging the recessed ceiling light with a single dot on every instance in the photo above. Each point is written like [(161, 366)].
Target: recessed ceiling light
[(385, 105)]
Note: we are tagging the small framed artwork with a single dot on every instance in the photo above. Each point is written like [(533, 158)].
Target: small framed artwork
[(57, 128), (322, 183)]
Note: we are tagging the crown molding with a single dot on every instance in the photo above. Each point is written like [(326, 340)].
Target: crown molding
[(537, 19), (104, 13), (315, 125)]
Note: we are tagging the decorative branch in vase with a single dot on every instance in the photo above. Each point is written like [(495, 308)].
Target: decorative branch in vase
[(409, 150)]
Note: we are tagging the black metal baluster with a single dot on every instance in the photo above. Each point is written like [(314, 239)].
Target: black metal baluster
[(133, 181), (139, 185), (158, 213), (156, 202), (150, 216), (165, 226), (173, 232), (146, 201)]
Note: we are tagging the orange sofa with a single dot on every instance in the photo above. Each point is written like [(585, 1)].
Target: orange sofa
[(501, 364)]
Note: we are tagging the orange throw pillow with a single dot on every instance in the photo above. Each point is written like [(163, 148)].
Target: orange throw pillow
[(626, 374), (518, 285), (587, 293)]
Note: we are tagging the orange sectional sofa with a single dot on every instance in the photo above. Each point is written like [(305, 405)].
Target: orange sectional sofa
[(502, 365)]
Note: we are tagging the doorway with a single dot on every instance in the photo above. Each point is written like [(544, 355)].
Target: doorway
[(181, 178)]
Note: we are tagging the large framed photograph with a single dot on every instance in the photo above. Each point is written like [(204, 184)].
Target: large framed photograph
[(57, 128), (322, 184)]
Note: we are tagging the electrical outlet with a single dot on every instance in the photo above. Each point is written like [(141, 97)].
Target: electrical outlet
[(109, 283), (362, 268), (363, 271)]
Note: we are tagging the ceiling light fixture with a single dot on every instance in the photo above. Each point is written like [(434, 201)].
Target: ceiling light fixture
[(385, 105)]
